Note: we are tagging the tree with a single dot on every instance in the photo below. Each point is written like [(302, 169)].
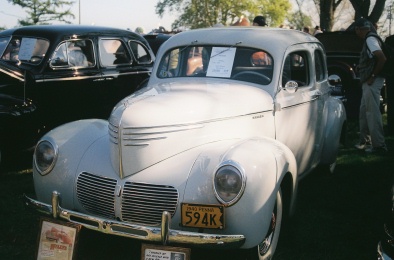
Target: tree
[(207, 13), (44, 11), (362, 8), (298, 20), (328, 8)]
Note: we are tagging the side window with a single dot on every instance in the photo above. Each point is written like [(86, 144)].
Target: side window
[(169, 65), (140, 53), (296, 69), (319, 66), (73, 54), (113, 52)]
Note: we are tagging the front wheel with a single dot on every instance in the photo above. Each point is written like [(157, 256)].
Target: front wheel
[(266, 249)]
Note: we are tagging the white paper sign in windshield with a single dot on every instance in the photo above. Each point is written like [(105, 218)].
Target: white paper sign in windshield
[(221, 62), (27, 48)]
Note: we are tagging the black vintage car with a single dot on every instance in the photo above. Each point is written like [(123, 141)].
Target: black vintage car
[(155, 40), (50, 75), (343, 52)]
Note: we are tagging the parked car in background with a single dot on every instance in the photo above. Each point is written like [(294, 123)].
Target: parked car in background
[(206, 155), (155, 40), (343, 50), (57, 74)]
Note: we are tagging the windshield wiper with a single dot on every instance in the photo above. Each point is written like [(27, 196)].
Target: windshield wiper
[(225, 49)]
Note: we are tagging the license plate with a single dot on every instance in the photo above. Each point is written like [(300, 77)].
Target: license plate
[(202, 216), (157, 252)]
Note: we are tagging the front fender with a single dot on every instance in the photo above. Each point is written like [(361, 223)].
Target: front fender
[(72, 141), (264, 162)]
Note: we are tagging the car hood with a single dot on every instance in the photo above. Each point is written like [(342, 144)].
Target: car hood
[(164, 120)]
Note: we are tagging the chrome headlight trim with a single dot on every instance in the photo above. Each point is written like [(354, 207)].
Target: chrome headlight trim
[(45, 156), (233, 166)]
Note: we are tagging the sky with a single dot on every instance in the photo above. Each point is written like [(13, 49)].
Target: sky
[(124, 14)]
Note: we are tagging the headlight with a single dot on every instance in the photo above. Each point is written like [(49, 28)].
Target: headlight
[(45, 156), (229, 183)]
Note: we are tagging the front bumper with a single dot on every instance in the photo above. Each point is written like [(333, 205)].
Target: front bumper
[(163, 234)]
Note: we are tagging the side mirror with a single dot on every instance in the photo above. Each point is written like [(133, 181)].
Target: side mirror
[(291, 86), (334, 80)]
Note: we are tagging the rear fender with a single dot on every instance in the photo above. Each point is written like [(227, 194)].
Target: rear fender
[(333, 132)]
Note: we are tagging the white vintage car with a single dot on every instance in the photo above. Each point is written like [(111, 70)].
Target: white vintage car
[(209, 153)]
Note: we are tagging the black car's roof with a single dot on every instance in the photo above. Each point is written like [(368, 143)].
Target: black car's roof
[(56, 31)]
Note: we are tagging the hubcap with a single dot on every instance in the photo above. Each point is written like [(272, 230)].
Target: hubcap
[(265, 245)]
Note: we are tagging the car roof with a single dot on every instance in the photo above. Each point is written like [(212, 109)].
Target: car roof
[(341, 42), (56, 31), (273, 40)]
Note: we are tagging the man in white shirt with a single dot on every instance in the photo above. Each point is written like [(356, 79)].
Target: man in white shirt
[(371, 62)]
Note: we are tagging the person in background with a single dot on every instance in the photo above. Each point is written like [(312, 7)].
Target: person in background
[(259, 21), (242, 21), (317, 30), (371, 62), (305, 29)]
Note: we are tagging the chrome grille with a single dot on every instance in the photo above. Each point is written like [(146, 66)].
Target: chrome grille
[(97, 194), (144, 203)]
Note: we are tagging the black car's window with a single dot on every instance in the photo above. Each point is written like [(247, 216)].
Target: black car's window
[(3, 44), (113, 52), (26, 49), (140, 53), (296, 69), (76, 53), (237, 63), (319, 65)]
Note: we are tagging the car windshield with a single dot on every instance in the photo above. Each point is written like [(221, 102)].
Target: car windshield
[(25, 49), (238, 63)]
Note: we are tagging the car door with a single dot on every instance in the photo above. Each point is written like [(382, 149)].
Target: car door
[(125, 65), (70, 82), (298, 112)]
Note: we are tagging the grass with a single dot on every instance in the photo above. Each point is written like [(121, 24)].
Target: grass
[(338, 216)]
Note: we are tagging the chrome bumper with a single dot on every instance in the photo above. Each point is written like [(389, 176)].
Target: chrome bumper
[(163, 234)]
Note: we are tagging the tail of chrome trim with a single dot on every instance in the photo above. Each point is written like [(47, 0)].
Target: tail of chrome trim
[(13, 74), (145, 233)]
